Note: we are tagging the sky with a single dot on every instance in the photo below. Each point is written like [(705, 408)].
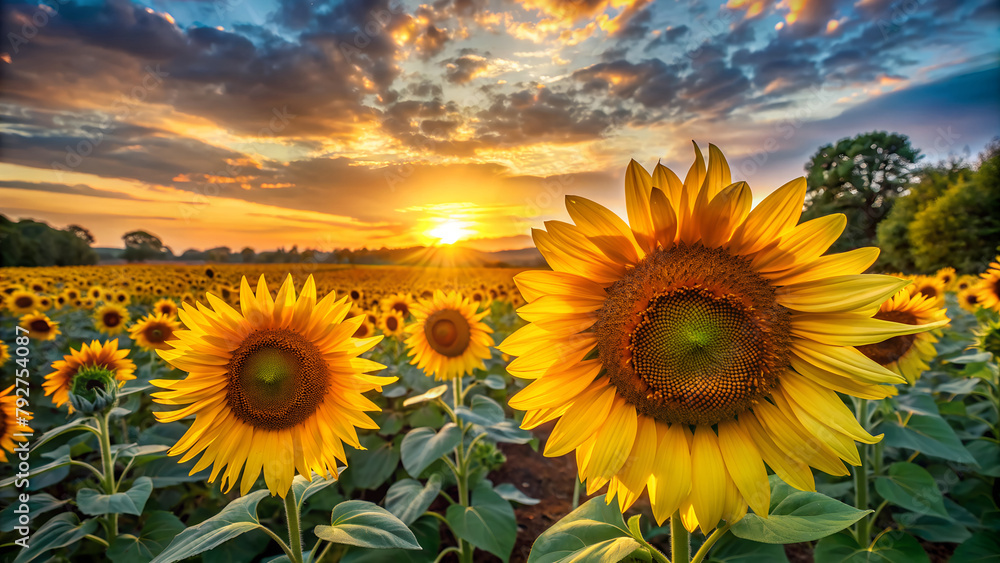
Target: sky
[(389, 123)]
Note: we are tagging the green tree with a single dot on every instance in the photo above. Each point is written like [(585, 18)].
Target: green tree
[(961, 228), (32, 243), (247, 254), (82, 233), (860, 177), (141, 246), (930, 183)]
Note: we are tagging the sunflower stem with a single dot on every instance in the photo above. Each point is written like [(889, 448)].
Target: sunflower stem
[(709, 542), (862, 531), (462, 470), (680, 540), (294, 532), (108, 467)]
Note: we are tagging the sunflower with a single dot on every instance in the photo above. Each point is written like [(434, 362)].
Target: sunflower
[(391, 323), (9, 422), (22, 302), (907, 354), (356, 295), (365, 329), (988, 289), (121, 297), (448, 338), (946, 276), (39, 326), (165, 307), (95, 292), (153, 331), (111, 318), (968, 299), (481, 298), (400, 302), (4, 353), (930, 287), (281, 375), (107, 356), (684, 351)]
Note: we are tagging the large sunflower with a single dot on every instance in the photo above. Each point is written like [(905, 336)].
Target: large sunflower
[(907, 354), (448, 338), (39, 326), (107, 355), (277, 386), (988, 289), (9, 422), (683, 351), (111, 318), (153, 331)]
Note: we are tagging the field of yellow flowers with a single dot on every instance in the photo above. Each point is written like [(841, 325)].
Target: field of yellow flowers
[(715, 386)]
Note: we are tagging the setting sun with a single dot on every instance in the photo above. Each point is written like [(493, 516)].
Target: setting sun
[(449, 232)]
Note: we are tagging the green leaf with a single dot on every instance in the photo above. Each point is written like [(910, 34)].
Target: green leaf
[(797, 516), (74, 425), (894, 547), (509, 432), (38, 503), (494, 381), (489, 523), (932, 528), (421, 446), (987, 454), (982, 547), (911, 487), (511, 493), (732, 549), (238, 517), (371, 467), (427, 530), (61, 530), (925, 431), (594, 532), (971, 358), (363, 524), (302, 488), (160, 527), (430, 395), (407, 499), (94, 503), (61, 461), (484, 412), (135, 450)]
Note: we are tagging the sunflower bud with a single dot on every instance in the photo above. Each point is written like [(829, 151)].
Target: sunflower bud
[(94, 390), (988, 338)]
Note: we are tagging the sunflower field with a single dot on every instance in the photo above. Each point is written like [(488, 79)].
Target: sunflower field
[(698, 381)]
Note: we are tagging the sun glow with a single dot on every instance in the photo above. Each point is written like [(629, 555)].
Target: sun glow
[(449, 232)]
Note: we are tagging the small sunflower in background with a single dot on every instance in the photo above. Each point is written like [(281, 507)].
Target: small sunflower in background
[(356, 295), (481, 298), (988, 288), (95, 292), (105, 356), (22, 302), (165, 307), (968, 299), (947, 276), (4, 353), (110, 318), (399, 302), (121, 297), (9, 422), (683, 350), (907, 354), (391, 323), (153, 331), (45, 303), (448, 338), (39, 326), (930, 287), (365, 329), (71, 293), (275, 387)]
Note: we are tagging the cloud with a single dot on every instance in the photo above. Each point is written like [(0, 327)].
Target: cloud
[(78, 189)]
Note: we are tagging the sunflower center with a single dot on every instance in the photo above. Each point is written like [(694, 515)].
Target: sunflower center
[(928, 291), (888, 351), (391, 323), (447, 332), (112, 319), (401, 307), (693, 336), (23, 302), (155, 334), (39, 325), (277, 379)]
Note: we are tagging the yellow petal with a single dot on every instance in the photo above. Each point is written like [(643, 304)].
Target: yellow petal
[(776, 214), (724, 213), (614, 441), (745, 466), (583, 418), (852, 330), (791, 470), (664, 219), (670, 479), (840, 294), (638, 184), (708, 478), (603, 228)]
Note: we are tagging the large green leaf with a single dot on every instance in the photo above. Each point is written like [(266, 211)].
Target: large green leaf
[(911, 487), (407, 499), (427, 530), (303, 488), (987, 454), (371, 467), (509, 492), (421, 446), (924, 431), (932, 528), (62, 460), (484, 411), (157, 532), (732, 549), (38, 504), (94, 503), (593, 533), (894, 547), (61, 530), (982, 547), (488, 524), (75, 425), (797, 516), (238, 517), (363, 524)]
